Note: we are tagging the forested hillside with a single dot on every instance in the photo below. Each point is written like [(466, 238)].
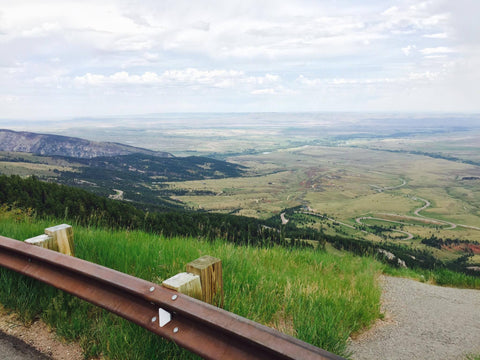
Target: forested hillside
[(140, 176), (83, 207)]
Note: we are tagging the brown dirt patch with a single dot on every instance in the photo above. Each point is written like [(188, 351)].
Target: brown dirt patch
[(475, 249)]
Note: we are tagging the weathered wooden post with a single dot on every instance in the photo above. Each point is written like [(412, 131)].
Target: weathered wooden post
[(203, 280), (58, 238), (209, 269), (188, 284)]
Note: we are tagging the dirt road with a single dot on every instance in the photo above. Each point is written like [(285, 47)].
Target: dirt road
[(408, 236)]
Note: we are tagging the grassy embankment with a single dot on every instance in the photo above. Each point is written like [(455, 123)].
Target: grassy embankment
[(441, 277), (318, 297)]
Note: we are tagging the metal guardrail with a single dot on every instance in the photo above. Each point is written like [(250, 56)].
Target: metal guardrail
[(208, 331)]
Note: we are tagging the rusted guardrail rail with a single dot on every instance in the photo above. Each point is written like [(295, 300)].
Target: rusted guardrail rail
[(208, 331)]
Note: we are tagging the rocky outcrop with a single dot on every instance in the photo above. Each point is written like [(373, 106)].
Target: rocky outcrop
[(50, 145), (393, 259)]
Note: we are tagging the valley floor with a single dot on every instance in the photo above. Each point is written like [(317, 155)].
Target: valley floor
[(422, 321)]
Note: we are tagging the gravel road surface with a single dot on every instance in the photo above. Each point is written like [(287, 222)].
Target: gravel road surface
[(12, 348), (27, 342), (422, 321)]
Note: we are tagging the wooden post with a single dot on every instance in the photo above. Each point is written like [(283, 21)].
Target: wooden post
[(188, 284), (210, 271), (44, 241), (58, 238), (63, 236)]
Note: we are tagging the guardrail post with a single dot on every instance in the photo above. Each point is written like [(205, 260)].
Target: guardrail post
[(58, 238), (185, 283), (209, 269)]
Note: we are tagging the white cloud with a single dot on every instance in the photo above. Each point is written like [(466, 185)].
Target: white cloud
[(391, 11), (42, 30), (413, 19), (233, 30), (186, 77), (351, 54), (9, 99), (437, 50), (439, 56), (408, 49), (264, 92), (411, 78), (219, 31), (436, 36), (303, 80), (425, 76), (435, 20)]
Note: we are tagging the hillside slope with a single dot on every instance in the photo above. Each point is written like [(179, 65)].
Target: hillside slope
[(57, 145), (106, 168)]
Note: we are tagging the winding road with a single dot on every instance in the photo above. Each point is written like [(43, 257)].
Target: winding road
[(409, 235), (418, 216), (427, 204), (381, 188), (313, 213)]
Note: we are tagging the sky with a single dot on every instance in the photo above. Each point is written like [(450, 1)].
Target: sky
[(65, 59)]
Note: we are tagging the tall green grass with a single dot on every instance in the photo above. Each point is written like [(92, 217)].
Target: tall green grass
[(442, 277), (316, 296)]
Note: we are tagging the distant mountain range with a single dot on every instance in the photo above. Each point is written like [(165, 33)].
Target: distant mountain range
[(57, 145)]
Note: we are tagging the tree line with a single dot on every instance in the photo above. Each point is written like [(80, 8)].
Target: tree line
[(85, 208)]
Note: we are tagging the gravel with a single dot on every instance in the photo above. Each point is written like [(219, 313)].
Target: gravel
[(20, 339), (422, 321), (12, 348)]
